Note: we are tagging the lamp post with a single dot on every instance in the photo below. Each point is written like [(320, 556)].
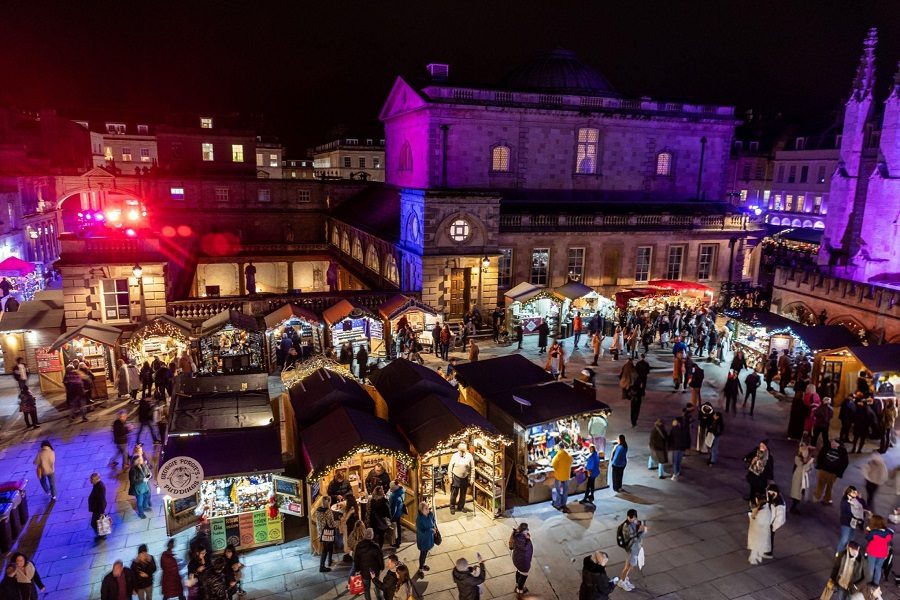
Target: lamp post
[(139, 275)]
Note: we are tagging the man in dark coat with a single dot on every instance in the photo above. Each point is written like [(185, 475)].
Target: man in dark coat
[(863, 420), (115, 580), (97, 500), (831, 462), (362, 361), (543, 334), (467, 579), (595, 583), (752, 383), (368, 559)]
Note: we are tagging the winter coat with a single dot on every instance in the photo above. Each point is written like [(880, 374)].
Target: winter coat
[(758, 530), (97, 498), (659, 445), (145, 411), (858, 570), (109, 589), (137, 480), (619, 456), (379, 515), (562, 465), (324, 520), (678, 441), (594, 581), (122, 386), (338, 488), (522, 551), (395, 503), (800, 477), (368, 557), (822, 415), (134, 378), (171, 577), (833, 460), (148, 568), (120, 432), (425, 527), (592, 464), (467, 582), (878, 542), (46, 461), (543, 333)]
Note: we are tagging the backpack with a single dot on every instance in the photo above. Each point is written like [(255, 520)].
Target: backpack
[(620, 536)]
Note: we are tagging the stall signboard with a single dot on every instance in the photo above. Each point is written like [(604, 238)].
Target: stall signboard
[(375, 330), (780, 342), (288, 495), (48, 360), (245, 530), (180, 477)]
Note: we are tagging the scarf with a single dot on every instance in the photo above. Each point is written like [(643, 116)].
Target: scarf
[(758, 464)]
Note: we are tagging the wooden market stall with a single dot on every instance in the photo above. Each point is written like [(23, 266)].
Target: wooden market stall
[(95, 344), (24, 278), (399, 384), (531, 305), (348, 323), (231, 342), (586, 301), (685, 293), (878, 364), (164, 337), (400, 311), (29, 333), (305, 329)]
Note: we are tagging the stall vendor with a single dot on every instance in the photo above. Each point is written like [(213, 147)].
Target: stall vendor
[(378, 477), (339, 488), (462, 471)]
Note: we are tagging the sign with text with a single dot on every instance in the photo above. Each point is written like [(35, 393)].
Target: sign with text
[(180, 477)]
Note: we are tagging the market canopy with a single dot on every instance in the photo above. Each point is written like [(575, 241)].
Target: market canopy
[(44, 311), (323, 391), (625, 296), (343, 309), (221, 410), (14, 266), (878, 359), (233, 317), (345, 431), (680, 286), (435, 422), (825, 337), (402, 382), (760, 317), (228, 453), (540, 293), (523, 289), (536, 404), (495, 375), (92, 330), (397, 305), (290, 311), (573, 290)]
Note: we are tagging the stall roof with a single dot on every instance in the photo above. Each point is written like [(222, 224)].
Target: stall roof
[(402, 383), (548, 293), (343, 309), (623, 297), (213, 384), (501, 374), (878, 359), (238, 319), (323, 391), (222, 410), (44, 311), (825, 337), (92, 330), (521, 289), (434, 419), (679, 286), (343, 431), (399, 303), (574, 290), (547, 402), (760, 317), (14, 266), (185, 327), (289, 311), (225, 453)]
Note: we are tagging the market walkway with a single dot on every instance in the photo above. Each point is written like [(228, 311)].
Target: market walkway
[(697, 525)]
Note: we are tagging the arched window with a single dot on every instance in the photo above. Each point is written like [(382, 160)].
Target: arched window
[(357, 252), (775, 221), (818, 225), (372, 260), (390, 270), (345, 243), (500, 159), (794, 223), (664, 164), (406, 158), (336, 238), (807, 223)]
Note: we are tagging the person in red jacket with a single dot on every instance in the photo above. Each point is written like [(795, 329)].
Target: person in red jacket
[(878, 546), (171, 576)]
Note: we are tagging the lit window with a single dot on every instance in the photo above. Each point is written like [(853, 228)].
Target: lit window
[(357, 250), (176, 193), (372, 260), (208, 151), (259, 160), (116, 128), (540, 266), (500, 159), (664, 164), (406, 158), (348, 162), (336, 238), (345, 244), (362, 162), (744, 195), (264, 195), (586, 154), (789, 202), (459, 230), (642, 263), (206, 122), (145, 154), (273, 160), (504, 268), (107, 153), (576, 264), (376, 162), (800, 202), (237, 153), (817, 205), (673, 264), (143, 129), (126, 154), (705, 261), (390, 270), (115, 299), (221, 194), (766, 194), (304, 196), (778, 204)]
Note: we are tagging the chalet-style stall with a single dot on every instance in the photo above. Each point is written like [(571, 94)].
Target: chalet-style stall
[(230, 343), (29, 332), (95, 344), (878, 365), (305, 329), (348, 323), (402, 311), (164, 337)]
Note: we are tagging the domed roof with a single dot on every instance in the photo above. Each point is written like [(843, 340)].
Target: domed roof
[(559, 71)]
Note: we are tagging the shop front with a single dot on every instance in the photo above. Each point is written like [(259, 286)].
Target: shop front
[(530, 306), (28, 333), (402, 311), (354, 325), (231, 343), (305, 330), (586, 301), (685, 293), (94, 344), (164, 337), (24, 279), (877, 365)]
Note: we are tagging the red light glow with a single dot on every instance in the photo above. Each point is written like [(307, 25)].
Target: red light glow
[(184, 231), (133, 215), (168, 231)]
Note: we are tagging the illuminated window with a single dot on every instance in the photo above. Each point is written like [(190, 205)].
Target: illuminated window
[(789, 202), (348, 162), (273, 160), (221, 194), (304, 196), (372, 260), (540, 266), (176, 193), (115, 299), (674, 262), (766, 195), (145, 154), (664, 164), (237, 153), (460, 230), (206, 122), (504, 269), (390, 270), (744, 195), (357, 250), (500, 159), (116, 128), (376, 162), (777, 204), (107, 153), (586, 153), (207, 151), (264, 195), (259, 160), (642, 263), (406, 158), (126, 154), (800, 201), (362, 162), (576, 264), (336, 238), (143, 129), (345, 244), (817, 204), (705, 261)]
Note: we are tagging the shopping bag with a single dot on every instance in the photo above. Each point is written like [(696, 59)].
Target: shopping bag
[(710, 439), (355, 585), (104, 525)]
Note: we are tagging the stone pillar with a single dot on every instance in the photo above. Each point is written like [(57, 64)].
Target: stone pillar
[(242, 288), (290, 276)]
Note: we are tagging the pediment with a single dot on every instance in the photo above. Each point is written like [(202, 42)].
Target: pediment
[(402, 98), (99, 172)]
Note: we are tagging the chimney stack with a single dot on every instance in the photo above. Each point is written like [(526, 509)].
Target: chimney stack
[(439, 72)]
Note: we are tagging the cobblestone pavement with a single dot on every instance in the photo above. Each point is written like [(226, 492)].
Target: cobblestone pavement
[(694, 548)]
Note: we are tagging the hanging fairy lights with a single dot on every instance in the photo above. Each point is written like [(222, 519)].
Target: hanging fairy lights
[(319, 473), (308, 367), (449, 444)]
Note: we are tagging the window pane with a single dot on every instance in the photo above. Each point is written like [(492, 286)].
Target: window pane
[(504, 274), (576, 264), (237, 153), (673, 265), (642, 264), (664, 163), (705, 261), (586, 154), (208, 151), (500, 159), (540, 265)]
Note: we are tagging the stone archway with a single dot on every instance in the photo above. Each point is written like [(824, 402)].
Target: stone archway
[(852, 324), (800, 311)]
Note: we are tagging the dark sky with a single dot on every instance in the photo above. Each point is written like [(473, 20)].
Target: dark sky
[(311, 65)]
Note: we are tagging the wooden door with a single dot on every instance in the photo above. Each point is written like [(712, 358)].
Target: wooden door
[(459, 292)]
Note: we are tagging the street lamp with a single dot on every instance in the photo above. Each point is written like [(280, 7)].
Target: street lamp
[(485, 264), (138, 271)]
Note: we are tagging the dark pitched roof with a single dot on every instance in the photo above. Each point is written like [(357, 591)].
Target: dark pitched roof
[(322, 392), (402, 383), (433, 420), (375, 210), (543, 403), (213, 384), (825, 337), (237, 319), (221, 410), (501, 374), (879, 359), (226, 453)]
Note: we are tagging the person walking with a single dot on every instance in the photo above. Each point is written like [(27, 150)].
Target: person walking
[(145, 417), (595, 583), (597, 346), (847, 573), (771, 370), (629, 537), (704, 420), (831, 463), (171, 585), (28, 581), (627, 377), (784, 371), (617, 343), (777, 509), (45, 465), (659, 450), (75, 396), (760, 469), (462, 472), (562, 472), (751, 382), (120, 438), (138, 486), (426, 527), (469, 579), (695, 382), (121, 381), (543, 331), (732, 390), (591, 470), (618, 461), (20, 374), (759, 529), (863, 420), (822, 416), (576, 330), (143, 567), (876, 474), (368, 561), (803, 464), (888, 420), (388, 585), (879, 545), (519, 332), (97, 502), (397, 507), (714, 431), (118, 583), (134, 381), (28, 407), (446, 338), (851, 517), (327, 530), (522, 552), (679, 442)]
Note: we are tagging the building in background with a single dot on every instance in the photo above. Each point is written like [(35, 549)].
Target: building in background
[(360, 158), (298, 168), (269, 153)]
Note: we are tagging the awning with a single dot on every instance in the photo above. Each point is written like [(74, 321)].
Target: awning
[(229, 453), (343, 309), (495, 375), (221, 410), (884, 358), (397, 305), (402, 383), (625, 296), (290, 311), (801, 234), (433, 420), (536, 404), (92, 330), (324, 391), (44, 311), (574, 290), (759, 317), (680, 286), (235, 318), (344, 431), (523, 289), (15, 267)]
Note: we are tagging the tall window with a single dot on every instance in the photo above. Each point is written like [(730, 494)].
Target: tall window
[(586, 155), (817, 204), (126, 154), (221, 194), (208, 151), (348, 162), (821, 176), (362, 162), (801, 201), (576, 264), (780, 177), (673, 264), (504, 268), (406, 158), (642, 263), (336, 238), (273, 160), (107, 153), (500, 159), (237, 153), (390, 270), (804, 173), (706, 261), (357, 250), (259, 160), (540, 266), (145, 154), (792, 174), (264, 195), (372, 260), (345, 244), (206, 122), (376, 162), (789, 202), (777, 205), (115, 299), (743, 195), (664, 164)]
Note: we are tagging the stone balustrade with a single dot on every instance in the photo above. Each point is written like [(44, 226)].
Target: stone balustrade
[(600, 222)]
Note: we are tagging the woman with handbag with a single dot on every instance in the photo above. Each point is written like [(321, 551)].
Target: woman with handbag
[(405, 588), (852, 516), (426, 528), (326, 527)]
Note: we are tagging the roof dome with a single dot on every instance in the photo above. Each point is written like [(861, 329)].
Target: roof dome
[(559, 71)]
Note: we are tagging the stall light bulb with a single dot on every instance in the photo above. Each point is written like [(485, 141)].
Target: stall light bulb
[(99, 217), (133, 215), (130, 232), (88, 217), (113, 215)]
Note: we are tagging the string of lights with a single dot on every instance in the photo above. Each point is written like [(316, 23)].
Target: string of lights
[(311, 365), (155, 328), (319, 473), (461, 436)]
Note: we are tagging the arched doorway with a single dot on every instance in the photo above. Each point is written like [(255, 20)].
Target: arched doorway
[(90, 209)]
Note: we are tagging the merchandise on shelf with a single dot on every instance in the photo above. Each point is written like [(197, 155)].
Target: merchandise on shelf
[(234, 495)]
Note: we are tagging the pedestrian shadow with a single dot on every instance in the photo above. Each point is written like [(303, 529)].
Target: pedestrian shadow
[(638, 494)]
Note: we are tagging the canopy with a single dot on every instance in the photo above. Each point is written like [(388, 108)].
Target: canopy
[(680, 286), (235, 318), (324, 391), (501, 374), (623, 297), (44, 311), (343, 309), (163, 325), (345, 431), (225, 453), (878, 359), (574, 290), (92, 330), (399, 304), (759, 317), (290, 311), (542, 403), (221, 410), (541, 293), (15, 267), (402, 383), (825, 337), (523, 289), (432, 421)]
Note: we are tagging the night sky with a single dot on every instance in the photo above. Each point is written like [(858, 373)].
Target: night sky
[(310, 66)]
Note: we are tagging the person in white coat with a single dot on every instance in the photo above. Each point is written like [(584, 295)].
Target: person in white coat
[(134, 381), (779, 514), (803, 465), (876, 474), (759, 530), (597, 428)]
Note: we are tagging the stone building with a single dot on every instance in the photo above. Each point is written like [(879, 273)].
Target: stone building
[(359, 157)]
